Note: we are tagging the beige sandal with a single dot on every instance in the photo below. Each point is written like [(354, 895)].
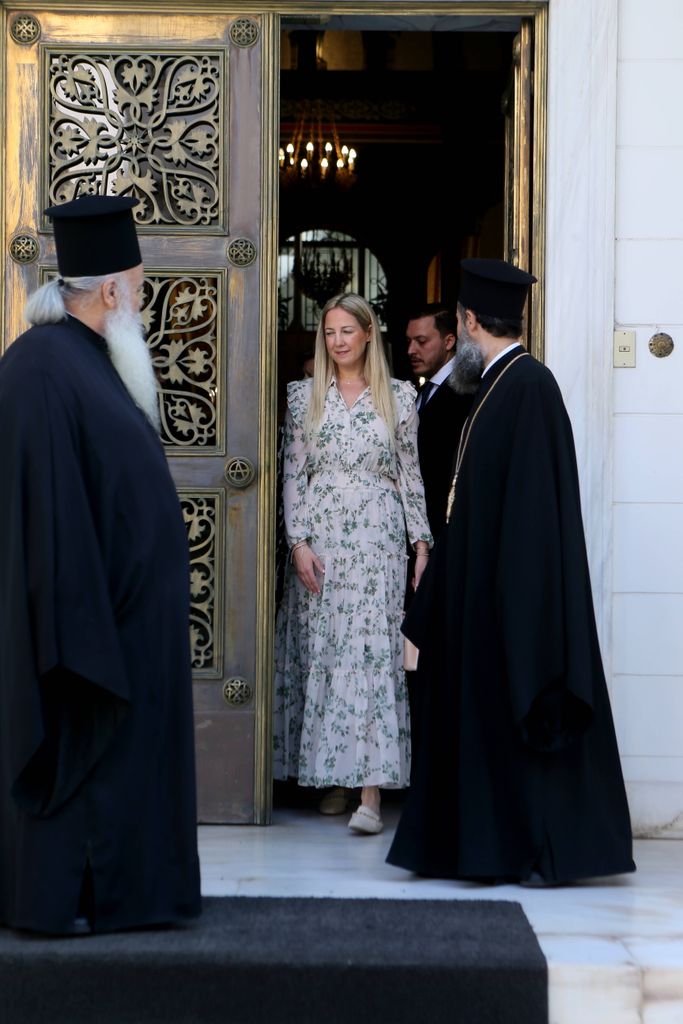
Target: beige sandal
[(366, 821)]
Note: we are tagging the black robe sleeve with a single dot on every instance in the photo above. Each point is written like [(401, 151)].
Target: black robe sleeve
[(62, 668), (543, 597)]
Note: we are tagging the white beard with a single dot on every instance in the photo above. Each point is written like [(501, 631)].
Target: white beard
[(128, 352)]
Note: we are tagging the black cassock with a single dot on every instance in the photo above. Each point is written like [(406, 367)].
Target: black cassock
[(96, 730), (516, 769)]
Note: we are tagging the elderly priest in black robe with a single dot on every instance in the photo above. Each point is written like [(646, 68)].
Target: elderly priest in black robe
[(97, 783), (517, 775)]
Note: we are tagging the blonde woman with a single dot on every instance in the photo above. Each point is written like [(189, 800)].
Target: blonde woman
[(351, 492)]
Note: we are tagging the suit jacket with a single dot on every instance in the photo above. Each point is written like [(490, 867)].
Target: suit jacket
[(438, 434)]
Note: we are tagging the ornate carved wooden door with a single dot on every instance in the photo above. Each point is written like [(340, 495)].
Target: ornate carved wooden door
[(172, 108)]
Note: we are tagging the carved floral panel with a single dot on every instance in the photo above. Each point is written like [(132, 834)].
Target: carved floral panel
[(202, 518), (149, 125), (182, 320), (181, 315)]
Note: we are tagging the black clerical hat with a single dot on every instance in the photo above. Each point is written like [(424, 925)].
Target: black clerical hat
[(494, 288), (95, 235)]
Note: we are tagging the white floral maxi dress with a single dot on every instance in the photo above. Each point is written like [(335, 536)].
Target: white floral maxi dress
[(341, 705)]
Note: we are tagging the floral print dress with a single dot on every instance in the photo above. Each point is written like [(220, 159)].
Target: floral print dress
[(341, 705)]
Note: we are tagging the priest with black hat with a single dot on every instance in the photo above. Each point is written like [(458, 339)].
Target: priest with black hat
[(517, 775), (97, 783)]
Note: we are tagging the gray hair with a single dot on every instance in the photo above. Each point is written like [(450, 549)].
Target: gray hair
[(47, 305)]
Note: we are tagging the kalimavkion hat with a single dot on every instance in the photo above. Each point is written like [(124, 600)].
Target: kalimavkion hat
[(95, 235), (494, 288)]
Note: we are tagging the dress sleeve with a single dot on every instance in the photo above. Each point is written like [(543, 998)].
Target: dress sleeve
[(295, 480), (409, 481)]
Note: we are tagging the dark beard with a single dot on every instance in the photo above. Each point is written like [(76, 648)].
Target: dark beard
[(468, 365)]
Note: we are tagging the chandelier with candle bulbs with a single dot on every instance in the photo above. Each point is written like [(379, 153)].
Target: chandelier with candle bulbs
[(315, 153)]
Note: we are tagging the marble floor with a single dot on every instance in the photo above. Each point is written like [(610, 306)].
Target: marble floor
[(615, 950)]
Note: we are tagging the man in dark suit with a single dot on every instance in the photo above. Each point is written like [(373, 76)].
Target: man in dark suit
[(431, 335)]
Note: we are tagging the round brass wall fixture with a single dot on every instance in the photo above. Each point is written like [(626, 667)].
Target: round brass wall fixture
[(661, 345), (241, 252), (237, 692), (244, 32), (25, 30), (24, 249), (239, 472)]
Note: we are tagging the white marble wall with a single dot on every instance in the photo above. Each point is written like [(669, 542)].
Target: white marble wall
[(647, 690), (579, 271), (615, 259)]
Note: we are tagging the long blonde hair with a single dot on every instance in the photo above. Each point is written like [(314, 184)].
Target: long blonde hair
[(375, 369)]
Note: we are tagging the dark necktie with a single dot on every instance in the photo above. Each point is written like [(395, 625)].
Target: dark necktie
[(425, 392)]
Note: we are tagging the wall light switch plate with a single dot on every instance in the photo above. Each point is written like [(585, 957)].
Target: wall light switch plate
[(624, 348)]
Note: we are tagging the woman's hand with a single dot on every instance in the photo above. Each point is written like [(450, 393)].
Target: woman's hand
[(421, 559), (306, 565)]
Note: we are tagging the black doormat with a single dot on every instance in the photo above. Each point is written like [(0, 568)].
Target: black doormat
[(289, 961)]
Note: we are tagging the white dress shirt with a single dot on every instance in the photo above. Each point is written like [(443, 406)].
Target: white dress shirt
[(439, 377)]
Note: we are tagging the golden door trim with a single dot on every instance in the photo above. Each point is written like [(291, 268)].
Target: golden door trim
[(267, 442), (312, 8), (4, 27), (538, 194)]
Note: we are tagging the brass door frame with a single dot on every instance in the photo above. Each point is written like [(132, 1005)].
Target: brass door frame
[(537, 13), (271, 12), (265, 598), (524, 243)]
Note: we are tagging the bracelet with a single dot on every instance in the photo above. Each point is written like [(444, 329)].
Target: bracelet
[(295, 547), (422, 554)]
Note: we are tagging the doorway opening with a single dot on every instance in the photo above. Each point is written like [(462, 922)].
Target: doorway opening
[(433, 111), (406, 144)]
